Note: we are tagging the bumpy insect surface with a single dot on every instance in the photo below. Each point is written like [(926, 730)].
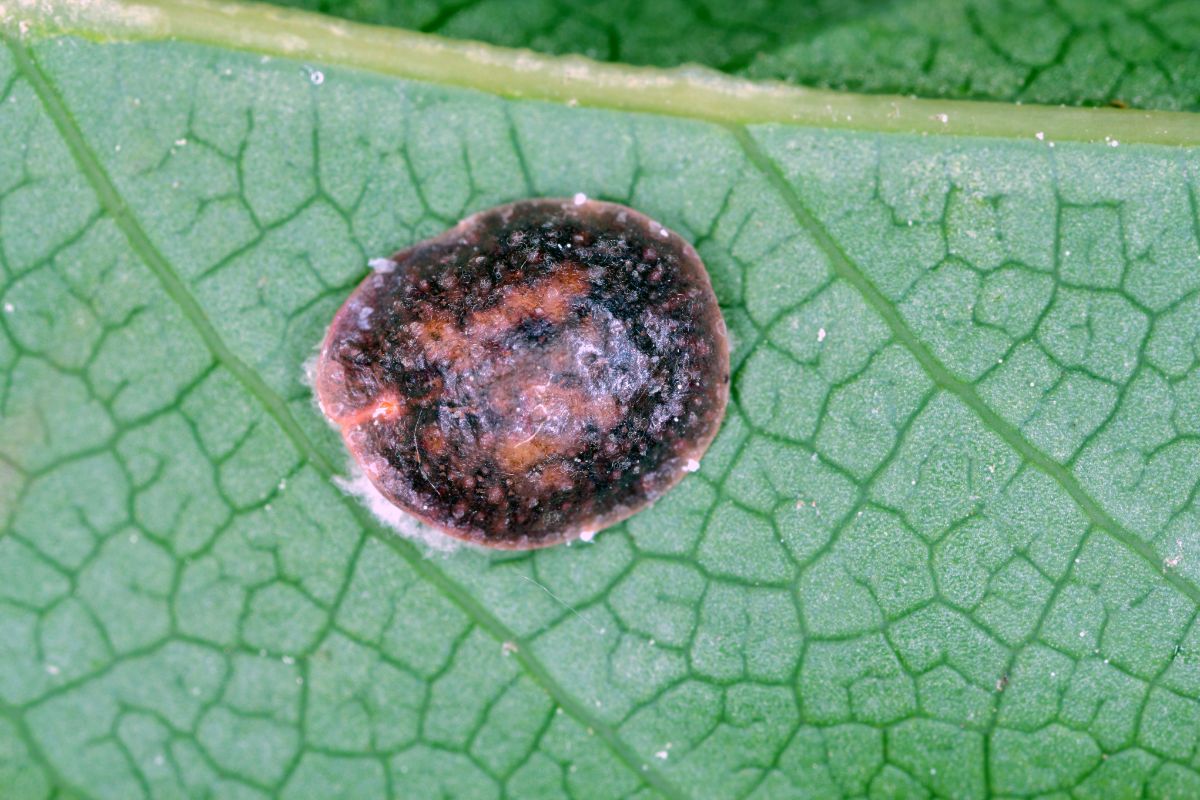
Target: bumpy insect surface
[(542, 370)]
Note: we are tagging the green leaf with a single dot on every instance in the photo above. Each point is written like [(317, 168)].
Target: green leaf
[(1140, 54), (947, 542)]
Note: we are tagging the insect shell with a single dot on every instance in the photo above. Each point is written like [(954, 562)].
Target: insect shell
[(540, 371)]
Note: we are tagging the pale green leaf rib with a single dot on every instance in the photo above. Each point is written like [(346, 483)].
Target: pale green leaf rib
[(1137, 54), (689, 92)]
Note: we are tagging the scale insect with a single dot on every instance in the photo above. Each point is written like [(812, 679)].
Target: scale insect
[(539, 372)]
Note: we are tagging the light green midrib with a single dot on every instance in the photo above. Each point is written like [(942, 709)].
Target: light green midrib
[(274, 405), (945, 379), (692, 92)]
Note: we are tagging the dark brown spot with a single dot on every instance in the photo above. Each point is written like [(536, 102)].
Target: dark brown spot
[(540, 370)]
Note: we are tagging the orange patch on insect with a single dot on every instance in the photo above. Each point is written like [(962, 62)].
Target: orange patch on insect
[(432, 440), (555, 476), (552, 418), (442, 340), (385, 408), (520, 456), (548, 299)]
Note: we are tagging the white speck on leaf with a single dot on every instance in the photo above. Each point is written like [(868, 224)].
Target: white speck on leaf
[(579, 199), (691, 466), (820, 334), (1173, 561)]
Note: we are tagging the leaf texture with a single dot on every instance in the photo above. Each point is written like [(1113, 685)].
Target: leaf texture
[(1134, 53), (947, 542)]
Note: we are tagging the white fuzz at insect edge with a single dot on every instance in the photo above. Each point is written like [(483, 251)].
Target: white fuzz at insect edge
[(403, 523), (360, 487), (309, 366)]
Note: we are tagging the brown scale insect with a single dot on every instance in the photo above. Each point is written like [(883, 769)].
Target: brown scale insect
[(542, 370)]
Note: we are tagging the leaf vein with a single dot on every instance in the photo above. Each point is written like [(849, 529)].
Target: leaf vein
[(941, 375)]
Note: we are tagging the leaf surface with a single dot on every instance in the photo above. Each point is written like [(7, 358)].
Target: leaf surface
[(947, 542), (1139, 54)]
